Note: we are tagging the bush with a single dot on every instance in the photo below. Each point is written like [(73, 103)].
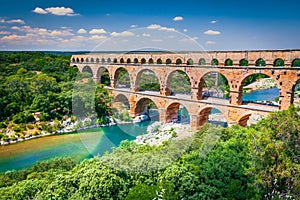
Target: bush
[(30, 126)]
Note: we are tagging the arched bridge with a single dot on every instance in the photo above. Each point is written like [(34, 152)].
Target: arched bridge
[(236, 66)]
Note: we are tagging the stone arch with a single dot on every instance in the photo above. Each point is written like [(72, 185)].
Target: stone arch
[(77, 60), (244, 79), (135, 61), (172, 112), (142, 107), (97, 60), (87, 60), (151, 61), (122, 98), (88, 69), (102, 60), (202, 61), (143, 61), (159, 61), (128, 60), (103, 79), (122, 60), (82, 60), (115, 60), (108, 60), (73, 59), (127, 78), (228, 62), (242, 121), (169, 79), (296, 62), (139, 78), (92, 60), (260, 62), (243, 62), (190, 61), (205, 113), (214, 62), (295, 97), (168, 61), (279, 62), (178, 61), (220, 80)]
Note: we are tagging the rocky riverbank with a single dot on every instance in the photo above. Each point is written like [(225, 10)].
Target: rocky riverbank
[(261, 84)]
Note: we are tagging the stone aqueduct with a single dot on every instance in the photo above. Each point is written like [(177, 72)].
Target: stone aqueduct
[(236, 66)]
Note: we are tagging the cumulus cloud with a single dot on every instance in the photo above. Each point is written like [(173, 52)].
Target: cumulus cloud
[(81, 31), (12, 21), (212, 32), (185, 30), (213, 21), (146, 35), (210, 42), (4, 32), (60, 11), (133, 26), (13, 37), (98, 37), (97, 31), (178, 18), (159, 27), (125, 33), (40, 11)]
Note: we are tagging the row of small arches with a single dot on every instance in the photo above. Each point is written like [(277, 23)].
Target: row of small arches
[(201, 62)]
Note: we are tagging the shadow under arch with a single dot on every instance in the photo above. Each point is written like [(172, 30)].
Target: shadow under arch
[(88, 69), (178, 113), (121, 78), (213, 115), (147, 79), (213, 84), (103, 76), (178, 81), (147, 106)]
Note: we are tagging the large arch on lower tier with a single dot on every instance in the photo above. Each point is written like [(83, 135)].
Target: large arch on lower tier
[(213, 77), (185, 79), (206, 115), (147, 106), (103, 76), (152, 84), (121, 98), (125, 81), (244, 119), (177, 112), (295, 99), (88, 69)]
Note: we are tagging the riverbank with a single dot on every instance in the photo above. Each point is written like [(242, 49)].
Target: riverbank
[(261, 84), (15, 133)]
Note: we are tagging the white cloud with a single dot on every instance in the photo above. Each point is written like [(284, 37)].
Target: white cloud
[(210, 42), (157, 40), (40, 11), (211, 32), (20, 21), (213, 21), (159, 27), (60, 11), (146, 35), (81, 31), (13, 37), (61, 33), (133, 26), (107, 14), (97, 31), (178, 18), (97, 37), (185, 30), (125, 33), (4, 32)]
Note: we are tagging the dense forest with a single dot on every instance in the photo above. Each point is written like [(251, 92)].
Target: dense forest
[(257, 162), (42, 84)]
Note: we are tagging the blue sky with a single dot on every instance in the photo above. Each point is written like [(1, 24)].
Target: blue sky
[(73, 25)]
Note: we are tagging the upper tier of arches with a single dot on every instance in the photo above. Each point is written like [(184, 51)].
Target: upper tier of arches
[(228, 62)]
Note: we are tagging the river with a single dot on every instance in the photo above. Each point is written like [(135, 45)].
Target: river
[(87, 143)]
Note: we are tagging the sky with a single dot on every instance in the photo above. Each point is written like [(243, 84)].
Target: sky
[(91, 25)]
